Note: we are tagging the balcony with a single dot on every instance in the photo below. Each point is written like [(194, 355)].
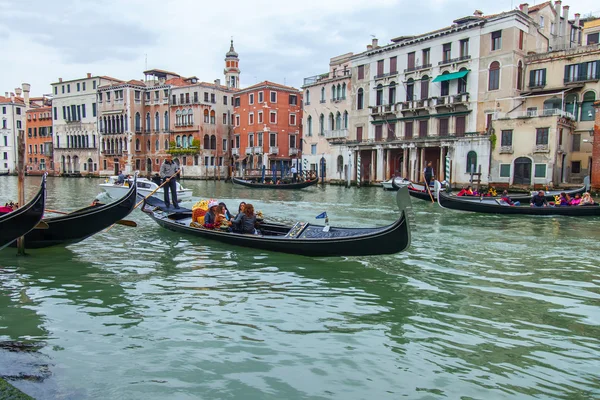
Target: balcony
[(326, 76), (273, 150), (386, 75), (541, 148), (459, 98), (112, 153), (248, 150), (533, 113), (585, 77), (258, 149), (322, 101), (336, 134), (235, 152), (456, 60), (417, 68), (506, 150), (294, 151)]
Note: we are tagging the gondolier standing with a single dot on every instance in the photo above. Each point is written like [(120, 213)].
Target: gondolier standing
[(428, 173), (169, 169)]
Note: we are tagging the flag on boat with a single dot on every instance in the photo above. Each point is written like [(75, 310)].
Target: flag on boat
[(322, 215)]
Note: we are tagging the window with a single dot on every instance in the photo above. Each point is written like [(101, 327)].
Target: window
[(575, 167), (273, 117), (587, 106), (313, 149), (408, 129), (251, 119), (55, 89), (576, 142), (445, 86), (410, 89), (462, 83), (83, 110), (360, 99), (540, 171), (424, 87), (532, 111), (461, 122), (213, 98), (236, 102), (93, 84), (537, 78), (378, 133), (379, 67), (392, 93), (333, 97), (521, 39), (541, 21), (379, 95), (261, 97), (345, 119), (593, 38), (361, 72), (541, 136), (292, 119), (69, 89), (307, 97), (464, 48), (309, 125), (18, 110), (443, 127), (273, 139), (410, 65), (506, 138), (294, 99), (78, 87), (471, 162), (446, 52), (426, 57), (224, 144), (206, 97), (273, 97), (423, 125), (494, 76), (520, 76), (56, 112), (393, 65), (224, 118), (496, 40), (237, 120), (504, 170), (224, 100), (321, 124), (260, 117), (251, 98)]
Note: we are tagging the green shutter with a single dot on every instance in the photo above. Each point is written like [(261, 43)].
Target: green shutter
[(544, 77), (531, 78)]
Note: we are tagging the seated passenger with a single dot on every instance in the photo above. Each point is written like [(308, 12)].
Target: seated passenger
[(575, 201), (539, 200), (563, 199), (211, 215), (587, 200), (120, 178), (221, 221), (245, 221), (506, 198), (226, 211)]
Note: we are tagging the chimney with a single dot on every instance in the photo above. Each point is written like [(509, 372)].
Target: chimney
[(565, 25), (26, 89), (6, 94), (524, 8), (369, 47), (478, 13), (577, 16), (18, 91), (89, 74), (218, 82), (59, 80), (374, 43)]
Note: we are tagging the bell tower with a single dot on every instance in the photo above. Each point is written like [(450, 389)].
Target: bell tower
[(232, 70)]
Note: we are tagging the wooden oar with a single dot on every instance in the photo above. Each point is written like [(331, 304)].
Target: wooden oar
[(125, 222), (428, 191), (156, 190)]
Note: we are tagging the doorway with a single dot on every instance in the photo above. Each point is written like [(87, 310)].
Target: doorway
[(522, 171)]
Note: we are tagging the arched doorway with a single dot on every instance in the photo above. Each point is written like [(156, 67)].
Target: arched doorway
[(149, 165), (90, 166), (76, 164), (522, 171)]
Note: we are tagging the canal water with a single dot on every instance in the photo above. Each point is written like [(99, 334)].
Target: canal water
[(480, 307)]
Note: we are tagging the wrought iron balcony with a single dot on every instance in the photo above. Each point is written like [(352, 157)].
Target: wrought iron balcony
[(455, 60), (417, 67), (273, 150)]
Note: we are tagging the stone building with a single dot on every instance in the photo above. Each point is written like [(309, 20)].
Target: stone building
[(595, 174), (13, 109), (38, 140)]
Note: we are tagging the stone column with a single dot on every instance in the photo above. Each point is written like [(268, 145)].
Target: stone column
[(381, 164), (421, 163), (405, 162), (440, 171)]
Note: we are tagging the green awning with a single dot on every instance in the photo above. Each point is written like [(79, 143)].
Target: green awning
[(451, 76)]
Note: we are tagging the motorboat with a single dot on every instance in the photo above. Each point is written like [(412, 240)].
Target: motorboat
[(144, 188)]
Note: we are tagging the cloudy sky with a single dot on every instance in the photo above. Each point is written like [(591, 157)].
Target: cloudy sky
[(43, 40)]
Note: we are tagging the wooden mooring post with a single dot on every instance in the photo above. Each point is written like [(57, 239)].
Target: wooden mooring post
[(21, 183)]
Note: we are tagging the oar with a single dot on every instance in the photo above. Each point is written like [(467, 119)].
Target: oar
[(125, 222), (427, 186)]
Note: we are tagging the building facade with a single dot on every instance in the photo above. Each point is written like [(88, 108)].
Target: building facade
[(75, 125), (38, 141), (267, 128), (13, 110)]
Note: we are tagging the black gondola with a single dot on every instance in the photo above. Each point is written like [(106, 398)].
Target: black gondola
[(5, 173), (17, 223), (81, 224), (303, 238), (493, 206), (297, 185)]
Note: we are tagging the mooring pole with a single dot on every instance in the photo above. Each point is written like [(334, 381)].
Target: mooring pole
[(21, 184)]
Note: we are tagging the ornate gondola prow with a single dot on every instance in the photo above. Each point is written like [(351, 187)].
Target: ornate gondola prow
[(405, 205), (437, 187)]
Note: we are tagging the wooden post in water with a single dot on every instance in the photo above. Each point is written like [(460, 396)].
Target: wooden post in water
[(21, 183)]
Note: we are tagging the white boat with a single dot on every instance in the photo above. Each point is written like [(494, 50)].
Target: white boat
[(387, 185), (144, 188)]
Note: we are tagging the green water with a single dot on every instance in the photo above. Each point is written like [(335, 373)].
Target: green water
[(480, 307)]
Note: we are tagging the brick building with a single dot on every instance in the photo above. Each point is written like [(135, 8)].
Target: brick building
[(38, 141), (595, 175)]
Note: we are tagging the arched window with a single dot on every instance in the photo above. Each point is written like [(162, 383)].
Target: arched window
[(323, 95), (360, 99), (338, 121), (410, 89), (331, 122), (424, 87), (190, 140), (166, 144), (307, 97), (309, 125), (212, 117), (345, 119), (519, 76), (190, 117), (156, 122), (321, 124), (178, 118), (213, 142), (571, 105), (157, 145), (184, 119), (178, 141), (340, 164), (344, 91), (184, 142), (206, 117), (206, 142), (339, 91), (587, 106), (471, 162), (332, 92), (137, 144), (494, 76), (445, 86), (462, 83), (166, 121), (148, 145), (138, 122), (147, 122), (379, 95), (392, 93)]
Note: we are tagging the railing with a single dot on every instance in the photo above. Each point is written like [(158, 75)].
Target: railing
[(336, 133), (235, 152), (506, 150), (455, 60), (549, 112), (248, 150), (293, 151), (417, 67), (322, 77), (583, 77), (386, 75), (273, 150), (112, 153), (541, 148), (258, 149)]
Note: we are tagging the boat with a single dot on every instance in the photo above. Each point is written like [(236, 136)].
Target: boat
[(144, 186), (81, 224), (5, 173), (497, 206), (302, 238), (258, 185), (418, 191), (19, 222), (394, 183)]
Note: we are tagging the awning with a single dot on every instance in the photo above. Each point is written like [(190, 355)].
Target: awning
[(451, 76)]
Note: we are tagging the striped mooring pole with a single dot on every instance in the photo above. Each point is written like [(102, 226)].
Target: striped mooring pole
[(358, 169), (447, 174), (305, 167)]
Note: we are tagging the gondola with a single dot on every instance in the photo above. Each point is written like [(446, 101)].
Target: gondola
[(302, 238), (17, 223), (416, 190), (81, 224), (297, 185), (394, 183), (495, 206), (5, 173)]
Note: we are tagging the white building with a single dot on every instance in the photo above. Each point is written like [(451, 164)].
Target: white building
[(13, 110)]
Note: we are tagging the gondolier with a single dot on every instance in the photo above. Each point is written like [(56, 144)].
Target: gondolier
[(168, 169), (428, 173)]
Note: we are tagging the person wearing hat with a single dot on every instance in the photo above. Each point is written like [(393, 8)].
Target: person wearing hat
[(168, 169), (211, 215)]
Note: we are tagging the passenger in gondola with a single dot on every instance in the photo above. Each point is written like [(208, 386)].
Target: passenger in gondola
[(506, 198), (575, 201), (221, 221), (245, 221), (226, 211), (121, 178), (5, 209), (211, 215), (468, 191), (563, 199), (587, 200), (539, 200)]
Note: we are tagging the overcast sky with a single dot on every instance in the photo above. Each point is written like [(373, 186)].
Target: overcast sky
[(284, 42)]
